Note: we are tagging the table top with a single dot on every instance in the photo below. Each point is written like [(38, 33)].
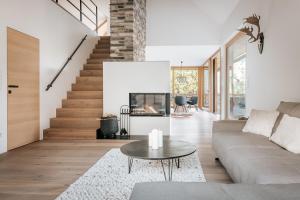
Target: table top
[(171, 149)]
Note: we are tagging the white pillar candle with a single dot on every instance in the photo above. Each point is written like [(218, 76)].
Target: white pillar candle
[(155, 140), (150, 139), (160, 138)]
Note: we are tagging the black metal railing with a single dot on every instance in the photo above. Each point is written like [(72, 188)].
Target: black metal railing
[(83, 6), (66, 63)]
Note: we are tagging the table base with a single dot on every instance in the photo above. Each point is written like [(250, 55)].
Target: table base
[(170, 164)]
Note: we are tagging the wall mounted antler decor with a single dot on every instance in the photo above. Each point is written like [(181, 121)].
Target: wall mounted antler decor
[(254, 21)]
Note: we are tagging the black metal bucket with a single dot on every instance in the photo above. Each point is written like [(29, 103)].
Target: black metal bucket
[(109, 128)]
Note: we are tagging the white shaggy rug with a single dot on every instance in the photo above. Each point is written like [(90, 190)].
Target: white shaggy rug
[(108, 179)]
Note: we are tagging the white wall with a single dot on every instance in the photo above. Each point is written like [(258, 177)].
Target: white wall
[(274, 75), (177, 22), (59, 34), (102, 6), (122, 78), (190, 55)]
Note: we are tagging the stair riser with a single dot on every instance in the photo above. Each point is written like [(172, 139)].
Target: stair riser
[(81, 87), (95, 61), (104, 51), (67, 135), (97, 103), (96, 73), (93, 67), (74, 123), (103, 46), (78, 113), (89, 80), (104, 41), (99, 56), (85, 95)]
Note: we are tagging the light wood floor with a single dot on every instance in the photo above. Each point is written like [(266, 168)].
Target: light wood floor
[(43, 170)]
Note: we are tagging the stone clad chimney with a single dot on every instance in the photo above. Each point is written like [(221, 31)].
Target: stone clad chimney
[(128, 29)]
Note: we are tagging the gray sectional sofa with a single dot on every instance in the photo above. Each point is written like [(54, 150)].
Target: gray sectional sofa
[(254, 159), (260, 169), (214, 191)]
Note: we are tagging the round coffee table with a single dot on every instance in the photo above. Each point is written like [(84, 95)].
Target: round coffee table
[(171, 151)]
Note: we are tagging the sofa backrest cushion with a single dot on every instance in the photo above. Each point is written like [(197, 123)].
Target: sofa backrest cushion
[(296, 111), (290, 108)]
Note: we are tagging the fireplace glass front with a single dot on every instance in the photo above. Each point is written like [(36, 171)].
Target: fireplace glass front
[(149, 104)]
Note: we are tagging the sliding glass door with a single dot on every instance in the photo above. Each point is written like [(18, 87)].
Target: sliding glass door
[(236, 78)]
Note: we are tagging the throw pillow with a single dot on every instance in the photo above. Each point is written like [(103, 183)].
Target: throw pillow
[(261, 122), (287, 134)]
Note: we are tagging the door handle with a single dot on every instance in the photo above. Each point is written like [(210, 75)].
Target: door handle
[(13, 86)]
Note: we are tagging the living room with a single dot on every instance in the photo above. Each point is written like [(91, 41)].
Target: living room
[(88, 98)]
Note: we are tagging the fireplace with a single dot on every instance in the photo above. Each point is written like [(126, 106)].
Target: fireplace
[(149, 104)]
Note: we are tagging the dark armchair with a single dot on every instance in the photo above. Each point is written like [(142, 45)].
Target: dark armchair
[(193, 102), (180, 101)]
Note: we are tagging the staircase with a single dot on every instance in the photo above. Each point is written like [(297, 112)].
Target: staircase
[(79, 117)]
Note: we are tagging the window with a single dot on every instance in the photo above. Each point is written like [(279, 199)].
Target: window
[(236, 78), (188, 87)]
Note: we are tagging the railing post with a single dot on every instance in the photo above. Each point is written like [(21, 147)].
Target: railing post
[(80, 10), (96, 19)]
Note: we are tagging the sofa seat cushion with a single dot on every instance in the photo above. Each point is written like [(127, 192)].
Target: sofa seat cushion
[(240, 139), (263, 165), (254, 159), (213, 191), (178, 191)]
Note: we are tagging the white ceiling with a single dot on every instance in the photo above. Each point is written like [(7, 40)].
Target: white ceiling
[(190, 55), (217, 10), (188, 30), (182, 30)]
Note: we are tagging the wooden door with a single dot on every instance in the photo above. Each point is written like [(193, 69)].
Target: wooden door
[(23, 109)]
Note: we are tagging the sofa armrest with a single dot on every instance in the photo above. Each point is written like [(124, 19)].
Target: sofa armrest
[(228, 125)]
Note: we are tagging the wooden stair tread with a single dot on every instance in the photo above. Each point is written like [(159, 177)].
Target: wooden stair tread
[(101, 51), (78, 123), (70, 129), (89, 80), (99, 56), (85, 95), (93, 66), (67, 133), (97, 73), (76, 119), (95, 60), (79, 112), (103, 45), (83, 87), (82, 103)]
